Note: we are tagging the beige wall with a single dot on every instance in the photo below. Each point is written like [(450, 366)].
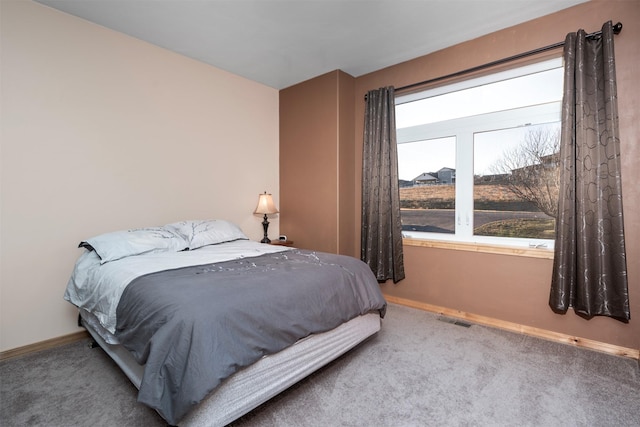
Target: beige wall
[(511, 288), (102, 132)]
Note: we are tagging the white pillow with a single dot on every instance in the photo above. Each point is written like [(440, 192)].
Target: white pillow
[(200, 233), (121, 244)]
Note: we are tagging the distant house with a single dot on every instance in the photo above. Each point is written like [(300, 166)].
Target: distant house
[(446, 176), (425, 179), (443, 176), (500, 178), (548, 163)]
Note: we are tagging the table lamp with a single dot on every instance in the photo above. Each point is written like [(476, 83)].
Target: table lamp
[(266, 207)]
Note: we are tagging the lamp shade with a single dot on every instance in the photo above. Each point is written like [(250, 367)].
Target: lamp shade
[(266, 205)]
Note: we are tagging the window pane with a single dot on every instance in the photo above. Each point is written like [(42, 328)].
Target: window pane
[(498, 96), (516, 181), (427, 185)]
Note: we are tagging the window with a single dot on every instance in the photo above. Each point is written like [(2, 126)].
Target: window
[(478, 160)]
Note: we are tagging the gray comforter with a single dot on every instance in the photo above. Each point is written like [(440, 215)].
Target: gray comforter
[(195, 326)]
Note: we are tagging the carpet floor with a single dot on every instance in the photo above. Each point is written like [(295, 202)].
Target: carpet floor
[(417, 371)]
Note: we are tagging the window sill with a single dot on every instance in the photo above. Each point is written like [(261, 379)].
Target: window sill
[(483, 248)]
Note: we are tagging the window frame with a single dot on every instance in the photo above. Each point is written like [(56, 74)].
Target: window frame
[(463, 130)]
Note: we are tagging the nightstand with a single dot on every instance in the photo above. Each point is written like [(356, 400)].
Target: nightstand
[(282, 242)]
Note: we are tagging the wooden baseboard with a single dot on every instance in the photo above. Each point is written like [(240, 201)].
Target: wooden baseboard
[(43, 345), (522, 329)]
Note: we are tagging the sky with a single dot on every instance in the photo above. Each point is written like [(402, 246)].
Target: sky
[(415, 158)]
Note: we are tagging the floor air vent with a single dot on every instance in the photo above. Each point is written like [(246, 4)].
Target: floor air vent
[(454, 321)]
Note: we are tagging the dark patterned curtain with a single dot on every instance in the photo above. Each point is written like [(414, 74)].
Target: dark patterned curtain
[(590, 271), (381, 244)]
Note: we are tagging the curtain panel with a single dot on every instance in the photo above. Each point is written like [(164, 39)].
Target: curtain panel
[(381, 241), (589, 271)]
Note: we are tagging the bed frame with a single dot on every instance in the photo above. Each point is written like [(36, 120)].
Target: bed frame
[(254, 385)]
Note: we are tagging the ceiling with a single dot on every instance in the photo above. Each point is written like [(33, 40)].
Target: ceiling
[(283, 42)]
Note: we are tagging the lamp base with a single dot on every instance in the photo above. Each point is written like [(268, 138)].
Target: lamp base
[(265, 226)]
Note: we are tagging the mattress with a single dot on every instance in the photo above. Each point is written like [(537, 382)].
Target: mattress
[(259, 382)]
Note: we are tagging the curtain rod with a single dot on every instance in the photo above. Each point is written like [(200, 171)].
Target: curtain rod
[(617, 28)]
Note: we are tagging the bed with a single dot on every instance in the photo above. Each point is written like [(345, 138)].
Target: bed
[(208, 324)]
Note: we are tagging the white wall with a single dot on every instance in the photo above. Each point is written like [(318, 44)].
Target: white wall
[(103, 132)]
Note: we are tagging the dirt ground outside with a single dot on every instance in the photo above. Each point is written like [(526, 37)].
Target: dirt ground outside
[(486, 197), (497, 212)]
